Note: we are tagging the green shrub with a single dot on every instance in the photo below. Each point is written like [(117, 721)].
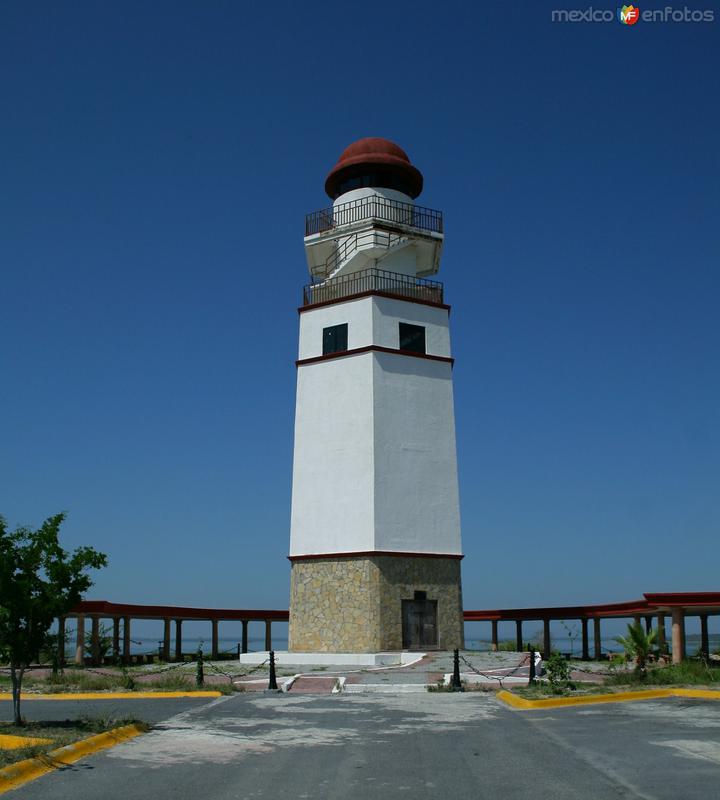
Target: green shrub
[(558, 672), (638, 645)]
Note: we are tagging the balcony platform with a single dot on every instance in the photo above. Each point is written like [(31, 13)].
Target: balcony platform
[(368, 229), (419, 290)]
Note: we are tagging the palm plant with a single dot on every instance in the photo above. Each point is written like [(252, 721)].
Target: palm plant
[(638, 645)]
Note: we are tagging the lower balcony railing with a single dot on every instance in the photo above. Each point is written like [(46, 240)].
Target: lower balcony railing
[(373, 280)]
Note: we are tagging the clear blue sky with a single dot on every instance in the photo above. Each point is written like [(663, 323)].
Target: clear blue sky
[(156, 163)]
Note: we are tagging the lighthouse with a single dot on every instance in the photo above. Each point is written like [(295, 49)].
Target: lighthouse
[(375, 545)]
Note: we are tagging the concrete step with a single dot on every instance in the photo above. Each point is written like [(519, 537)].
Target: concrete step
[(313, 684)]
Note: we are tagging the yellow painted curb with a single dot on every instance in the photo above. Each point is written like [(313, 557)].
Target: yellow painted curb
[(110, 695), (706, 694), (31, 768), (589, 699), (8, 742)]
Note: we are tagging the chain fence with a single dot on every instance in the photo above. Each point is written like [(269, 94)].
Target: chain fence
[(232, 676), (494, 678)]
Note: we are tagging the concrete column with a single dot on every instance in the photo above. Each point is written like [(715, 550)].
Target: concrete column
[(518, 635), (585, 643), (648, 624), (215, 639), (268, 634), (637, 620), (95, 641), (80, 639), (126, 640), (244, 646), (547, 643), (598, 638), (678, 635), (704, 637), (61, 642), (661, 640), (178, 640), (116, 638), (166, 639), (494, 645)]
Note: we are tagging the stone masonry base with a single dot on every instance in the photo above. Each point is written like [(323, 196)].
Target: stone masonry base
[(353, 604)]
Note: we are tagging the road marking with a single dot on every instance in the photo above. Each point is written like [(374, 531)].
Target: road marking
[(31, 768), (385, 688)]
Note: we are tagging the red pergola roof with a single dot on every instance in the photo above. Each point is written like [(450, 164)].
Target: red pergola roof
[(651, 604), (684, 599), (108, 609)]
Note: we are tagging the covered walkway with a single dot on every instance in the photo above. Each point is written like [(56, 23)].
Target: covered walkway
[(653, 606), (122, 614)]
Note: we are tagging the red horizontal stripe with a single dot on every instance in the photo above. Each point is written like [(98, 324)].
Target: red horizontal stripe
[(371, 293), (364, 553), (372, 348)]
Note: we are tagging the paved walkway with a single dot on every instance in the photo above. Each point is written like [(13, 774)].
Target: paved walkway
[(426, 671)]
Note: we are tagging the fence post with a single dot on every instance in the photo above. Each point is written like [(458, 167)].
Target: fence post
[(200, 674), (272, 683), (532, 667), (455, 684)]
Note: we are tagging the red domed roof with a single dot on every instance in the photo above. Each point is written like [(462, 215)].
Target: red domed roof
[(382, 161)]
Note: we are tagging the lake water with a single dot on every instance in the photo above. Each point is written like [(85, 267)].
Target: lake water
[(563, 644)]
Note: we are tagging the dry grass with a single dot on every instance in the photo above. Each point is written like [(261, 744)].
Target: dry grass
[(60, 734)]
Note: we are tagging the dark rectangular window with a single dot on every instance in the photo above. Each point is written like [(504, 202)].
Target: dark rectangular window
[(335, 339), (412, 338)]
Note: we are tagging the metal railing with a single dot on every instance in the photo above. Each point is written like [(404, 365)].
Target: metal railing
[(347, 246), (380, 208), (373, 280)]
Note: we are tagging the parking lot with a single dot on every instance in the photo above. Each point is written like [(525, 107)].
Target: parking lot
[(422, 745)]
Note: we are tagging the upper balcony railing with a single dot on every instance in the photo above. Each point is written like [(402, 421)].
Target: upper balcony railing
[(373, 280), (380, 208)]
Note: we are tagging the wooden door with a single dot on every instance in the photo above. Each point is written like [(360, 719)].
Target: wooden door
[(419, 623)]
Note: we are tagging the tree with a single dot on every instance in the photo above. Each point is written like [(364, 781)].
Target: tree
[(39, 582), (638, 645)]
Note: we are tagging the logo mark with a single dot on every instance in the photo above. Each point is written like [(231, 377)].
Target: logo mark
[(628, 15)]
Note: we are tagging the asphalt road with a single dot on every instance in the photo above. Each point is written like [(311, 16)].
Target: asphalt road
[(414, 745), (152, 711)]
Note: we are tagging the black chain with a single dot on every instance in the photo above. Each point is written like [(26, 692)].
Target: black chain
[(169, 668), (231, 676), (498, 678)]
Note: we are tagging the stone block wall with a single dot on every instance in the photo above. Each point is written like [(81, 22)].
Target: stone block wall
[(400, 577), (353, 604)]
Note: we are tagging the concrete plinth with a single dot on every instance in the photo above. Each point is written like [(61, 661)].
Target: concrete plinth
[(337, 659)]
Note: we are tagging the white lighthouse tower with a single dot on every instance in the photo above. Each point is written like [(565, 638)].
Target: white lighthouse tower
[(375, 530)]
